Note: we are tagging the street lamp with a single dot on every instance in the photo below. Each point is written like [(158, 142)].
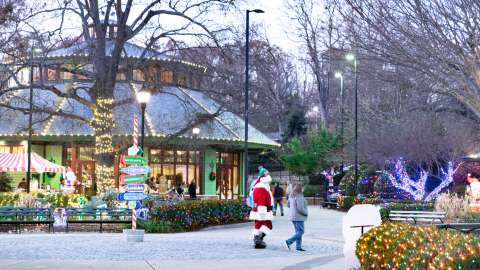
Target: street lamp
[(30, 118), (143, 96), (352, 58), (247, 49), (339, 75)]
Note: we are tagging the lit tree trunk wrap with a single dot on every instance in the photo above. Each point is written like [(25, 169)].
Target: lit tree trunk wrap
[(103, 124)]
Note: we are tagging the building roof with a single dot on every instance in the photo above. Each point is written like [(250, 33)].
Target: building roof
[(129, 50), (168, 112)]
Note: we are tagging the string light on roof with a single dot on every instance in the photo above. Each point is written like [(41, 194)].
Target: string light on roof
[(50, 121)]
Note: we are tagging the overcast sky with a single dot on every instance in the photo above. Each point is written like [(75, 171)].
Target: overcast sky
[(275, 21)]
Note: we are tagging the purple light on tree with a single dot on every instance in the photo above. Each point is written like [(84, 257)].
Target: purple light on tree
[(417, 188)]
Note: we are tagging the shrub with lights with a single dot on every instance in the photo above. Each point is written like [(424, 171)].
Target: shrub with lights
[(194, 215), (404, 246)]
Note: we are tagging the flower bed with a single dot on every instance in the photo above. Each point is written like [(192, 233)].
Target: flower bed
[(194, 215), (39, 199), (403, 246)]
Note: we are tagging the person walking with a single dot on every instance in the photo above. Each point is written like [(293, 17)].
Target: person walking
[(278, 196), (298, 215)]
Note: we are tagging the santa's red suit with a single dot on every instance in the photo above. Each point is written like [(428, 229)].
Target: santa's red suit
[(261, 212)]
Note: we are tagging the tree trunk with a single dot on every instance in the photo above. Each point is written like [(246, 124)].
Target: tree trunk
[(103, 124)]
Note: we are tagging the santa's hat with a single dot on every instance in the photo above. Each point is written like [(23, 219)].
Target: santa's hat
[(263, 172)]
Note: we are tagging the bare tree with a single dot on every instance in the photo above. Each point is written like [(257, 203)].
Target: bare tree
[(436, 39), (151, 22), (274, 80), (319, 34)]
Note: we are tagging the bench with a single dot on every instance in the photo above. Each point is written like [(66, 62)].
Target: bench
[(462, 227), (98, 216), (329, 204), (26, 216), (416, 216)]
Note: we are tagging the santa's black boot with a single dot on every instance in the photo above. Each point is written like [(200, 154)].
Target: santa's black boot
[(262, 236), (259, 244)]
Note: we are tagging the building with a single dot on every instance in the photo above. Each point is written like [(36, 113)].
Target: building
[(213, 157)]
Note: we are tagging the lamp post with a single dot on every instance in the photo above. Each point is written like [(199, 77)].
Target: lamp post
[(351, 57), (143, 97), (247, 49), (339, 75), (196, 132), (30, 119)]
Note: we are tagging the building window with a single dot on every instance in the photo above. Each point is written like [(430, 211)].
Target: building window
[(65, 75), (166, 76), (194, 83), (11, 149), (121, 76), (36, 74), (82, 161), (171, 168), (182, 80), (138, 75)]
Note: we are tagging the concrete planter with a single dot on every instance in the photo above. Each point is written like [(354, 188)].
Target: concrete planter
[(134, 236)]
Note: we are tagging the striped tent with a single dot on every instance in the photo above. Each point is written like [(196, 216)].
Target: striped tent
[(19, 163)]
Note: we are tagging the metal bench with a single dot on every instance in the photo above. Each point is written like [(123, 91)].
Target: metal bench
[(329, 204), (26, 216), (462, 227), (416, 216), (98, 216)]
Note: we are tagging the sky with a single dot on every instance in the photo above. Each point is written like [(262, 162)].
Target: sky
[(275, 21)]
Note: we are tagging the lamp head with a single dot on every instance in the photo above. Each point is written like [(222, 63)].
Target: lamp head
[(143, 96), (258, 11), (350, 57), (196, 131)]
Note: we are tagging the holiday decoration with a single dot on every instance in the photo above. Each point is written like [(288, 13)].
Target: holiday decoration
[(403, 246), (103, 124), (329, 174), (213, 176), (401, 180)]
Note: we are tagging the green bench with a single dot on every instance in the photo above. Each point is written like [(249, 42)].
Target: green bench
[(462, 227), (27, 216), (98, 216)]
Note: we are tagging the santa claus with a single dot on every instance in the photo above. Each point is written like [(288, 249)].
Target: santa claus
[(261, 211)]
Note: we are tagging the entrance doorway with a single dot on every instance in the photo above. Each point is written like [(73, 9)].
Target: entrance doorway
[(228, 171), (224, 182)]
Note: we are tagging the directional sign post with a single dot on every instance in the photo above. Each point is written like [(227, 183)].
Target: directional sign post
[(129, 179), (133, 160), (134, 170), (135, 188), (134, 196)]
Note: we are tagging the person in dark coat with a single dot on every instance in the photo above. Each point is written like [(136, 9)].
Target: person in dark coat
[(192, 190), (278, 197)]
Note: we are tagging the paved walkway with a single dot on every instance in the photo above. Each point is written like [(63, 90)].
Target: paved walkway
[(227, 247)]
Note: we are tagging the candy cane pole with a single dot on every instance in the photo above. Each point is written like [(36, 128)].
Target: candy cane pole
[(135, 131), (134, 219)]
